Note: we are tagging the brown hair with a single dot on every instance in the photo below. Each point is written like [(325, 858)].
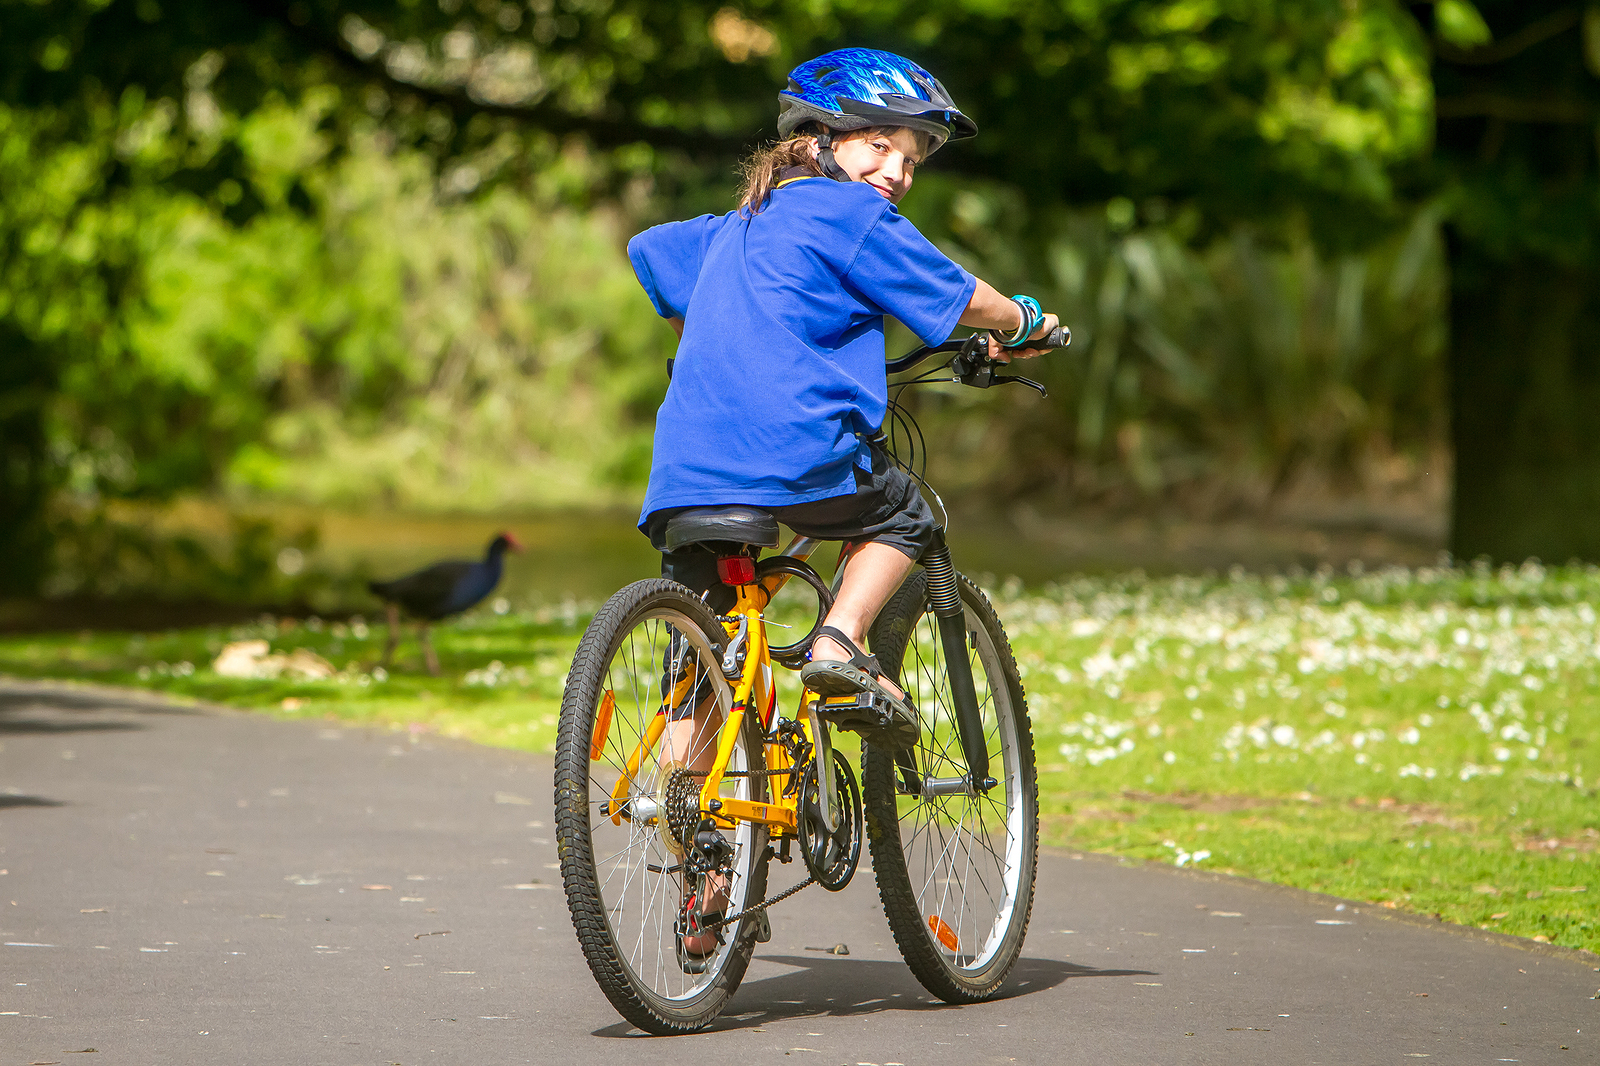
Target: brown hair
[(760, 169)]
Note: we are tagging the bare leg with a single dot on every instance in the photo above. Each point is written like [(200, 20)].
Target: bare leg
[(871, 576), (392, 613), (693, 740), (428, 656)]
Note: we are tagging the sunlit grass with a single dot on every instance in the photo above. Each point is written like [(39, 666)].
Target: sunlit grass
[(1411, 737), (1415, 738), (500, 681)]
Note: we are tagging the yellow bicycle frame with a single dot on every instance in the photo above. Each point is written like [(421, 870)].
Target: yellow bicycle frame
[(779, 814)]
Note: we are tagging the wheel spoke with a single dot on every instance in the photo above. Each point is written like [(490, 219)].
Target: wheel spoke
[(963, 861), (623, 890)]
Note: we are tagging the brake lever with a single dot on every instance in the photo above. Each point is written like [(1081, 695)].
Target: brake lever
[(973, 366), (1032, 384)]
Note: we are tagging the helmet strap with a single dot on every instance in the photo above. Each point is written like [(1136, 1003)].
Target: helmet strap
[(830, 165)]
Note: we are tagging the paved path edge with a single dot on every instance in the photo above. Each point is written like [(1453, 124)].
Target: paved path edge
[(158, 699), (1366, 910)]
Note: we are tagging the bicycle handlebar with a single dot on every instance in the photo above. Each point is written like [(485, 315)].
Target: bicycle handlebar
[(973, 364)]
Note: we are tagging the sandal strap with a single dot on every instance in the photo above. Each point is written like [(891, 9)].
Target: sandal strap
[(858, 658)]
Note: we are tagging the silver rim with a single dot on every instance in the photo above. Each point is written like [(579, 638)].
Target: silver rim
[(964, 853), (640, 881)]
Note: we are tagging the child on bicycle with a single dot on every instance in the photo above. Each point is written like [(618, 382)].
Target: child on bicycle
[(779, 384), (779, 307)]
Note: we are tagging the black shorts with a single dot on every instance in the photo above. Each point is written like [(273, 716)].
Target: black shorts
[(886, 508)]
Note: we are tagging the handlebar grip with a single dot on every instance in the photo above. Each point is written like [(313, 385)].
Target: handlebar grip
[(1059, 337)]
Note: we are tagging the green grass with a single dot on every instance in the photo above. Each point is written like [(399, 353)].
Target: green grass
[(1413, 738)]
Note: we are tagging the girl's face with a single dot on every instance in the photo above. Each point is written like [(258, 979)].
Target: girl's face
[(884, 159)]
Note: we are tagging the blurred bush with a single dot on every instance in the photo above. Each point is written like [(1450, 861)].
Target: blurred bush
[(1215, 377), (120, 553), (376, 334)]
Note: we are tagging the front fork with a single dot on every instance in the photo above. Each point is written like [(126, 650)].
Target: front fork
[(944, 597)]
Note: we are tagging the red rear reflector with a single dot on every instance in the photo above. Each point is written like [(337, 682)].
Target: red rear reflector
[(943, 933), (736, 569)]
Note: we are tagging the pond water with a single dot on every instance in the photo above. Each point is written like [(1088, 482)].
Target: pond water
[(587, 555)]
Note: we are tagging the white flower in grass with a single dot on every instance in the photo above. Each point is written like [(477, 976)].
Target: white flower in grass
[(1183, 856), (1502, 754), (1170, 757), (1410, 736), (1283, 735)]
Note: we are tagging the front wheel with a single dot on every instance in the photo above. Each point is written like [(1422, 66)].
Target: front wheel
[(955, 866), (627, 804)]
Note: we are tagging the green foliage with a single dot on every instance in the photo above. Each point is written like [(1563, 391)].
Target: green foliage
[(1459, 23), (1213, 376), (118, 552), (297, 248)]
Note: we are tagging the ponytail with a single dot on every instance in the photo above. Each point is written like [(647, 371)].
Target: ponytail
[(759, 170)]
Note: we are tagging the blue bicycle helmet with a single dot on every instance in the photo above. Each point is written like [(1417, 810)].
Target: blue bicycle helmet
[(853, 88)]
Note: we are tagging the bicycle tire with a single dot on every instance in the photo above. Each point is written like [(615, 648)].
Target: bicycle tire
[(622, 890), (939, 874)]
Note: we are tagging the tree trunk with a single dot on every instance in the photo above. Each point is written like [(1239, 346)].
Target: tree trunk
[(27, 475), (1525, 391)]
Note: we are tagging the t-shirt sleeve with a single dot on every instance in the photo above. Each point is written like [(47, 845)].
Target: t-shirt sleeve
[(666, 259), (901, 271)]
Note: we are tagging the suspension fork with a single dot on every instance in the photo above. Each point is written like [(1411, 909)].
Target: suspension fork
[(944, 596)]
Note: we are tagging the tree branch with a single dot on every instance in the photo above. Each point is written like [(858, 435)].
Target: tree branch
[(606, 131), (1488, 105), (1534, 32)]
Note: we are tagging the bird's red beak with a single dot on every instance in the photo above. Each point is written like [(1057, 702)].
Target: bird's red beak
[(512, 542)]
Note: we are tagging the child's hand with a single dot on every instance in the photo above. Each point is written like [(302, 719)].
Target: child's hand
[(1005, 355)]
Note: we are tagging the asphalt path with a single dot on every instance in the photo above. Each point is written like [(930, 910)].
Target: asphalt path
[(180, 886)]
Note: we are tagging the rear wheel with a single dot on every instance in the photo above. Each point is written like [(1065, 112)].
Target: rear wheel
[(622, 858), (955, 867)]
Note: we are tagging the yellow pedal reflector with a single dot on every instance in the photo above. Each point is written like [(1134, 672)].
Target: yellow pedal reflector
[(602, 725), (943, 933)]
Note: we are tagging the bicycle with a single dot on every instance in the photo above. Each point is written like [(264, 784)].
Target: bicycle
[(644, 835)]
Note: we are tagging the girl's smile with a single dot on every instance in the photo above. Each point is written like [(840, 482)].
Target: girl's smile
[(885, 159)]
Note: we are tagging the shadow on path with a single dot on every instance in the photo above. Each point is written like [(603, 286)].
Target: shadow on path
[(844, 988), (8, 801), (25, 708)]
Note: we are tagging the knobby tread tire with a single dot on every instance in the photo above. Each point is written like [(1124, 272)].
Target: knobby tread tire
[(889, 638), (573, 838)]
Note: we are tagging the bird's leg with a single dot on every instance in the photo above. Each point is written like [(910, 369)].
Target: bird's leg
[(427, 650), (393, 617)]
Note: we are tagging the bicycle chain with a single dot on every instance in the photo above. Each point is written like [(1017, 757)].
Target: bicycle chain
[(759, 907)]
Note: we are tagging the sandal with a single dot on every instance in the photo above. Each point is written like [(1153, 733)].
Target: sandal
[(898, 728)]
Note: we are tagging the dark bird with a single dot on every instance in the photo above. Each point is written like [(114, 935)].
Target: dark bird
[(439, 591)]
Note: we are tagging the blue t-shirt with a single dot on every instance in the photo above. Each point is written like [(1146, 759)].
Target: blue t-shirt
[(782, 359)]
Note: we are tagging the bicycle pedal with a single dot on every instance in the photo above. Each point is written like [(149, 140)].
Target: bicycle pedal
[(763, 928), (854, 711)]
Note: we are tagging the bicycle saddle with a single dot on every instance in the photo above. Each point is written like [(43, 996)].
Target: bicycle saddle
[(728, 525)]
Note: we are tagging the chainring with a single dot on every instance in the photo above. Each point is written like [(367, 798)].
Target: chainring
[(831, 857)]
